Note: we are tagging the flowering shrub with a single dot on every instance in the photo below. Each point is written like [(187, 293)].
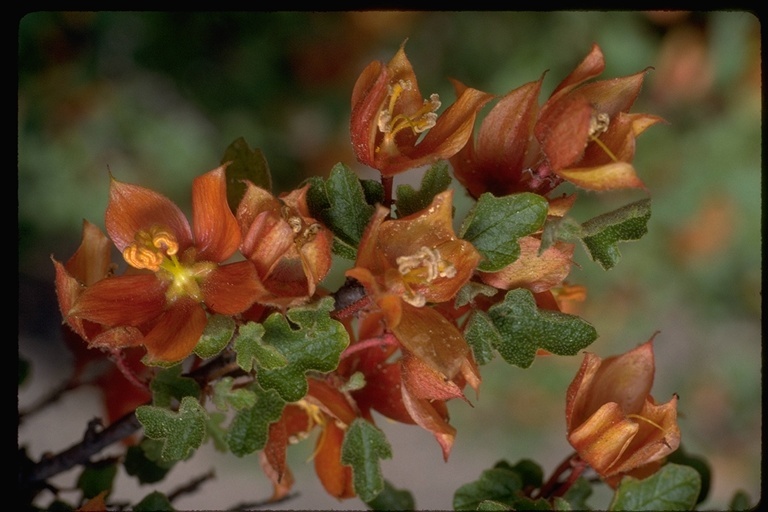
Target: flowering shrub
[(232, 335)]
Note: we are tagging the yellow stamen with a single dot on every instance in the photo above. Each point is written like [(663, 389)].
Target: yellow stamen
[(422, 268), (643, 418), (598, 124), (419, 121), (150, 248)]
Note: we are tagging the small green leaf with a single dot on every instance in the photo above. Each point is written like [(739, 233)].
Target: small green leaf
[(355, 382), (183, 431), (216, 431), (217, 333), (146, 470), (493, 505), (740, 501), (373, 190), (498, 484), (680, 456), (531, 474), (247, 164), (252, 352), (224, 396), (517, 329), (340, 203), (364, 445), (168, 385), (314, 345), (558, 229), (482, 336), (250, 426), (495, 224), (154, 502), (97, 477), (576, 496), (602, 234), (437, 179), (470, 290), (673, 487), (391, 498)]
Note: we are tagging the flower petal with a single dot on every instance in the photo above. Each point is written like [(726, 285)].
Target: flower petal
[(335, 476), (232, 288), (604, 437), (425, 414), (612, 176), (122, 300), (217, 235), (176, 333), (133, 208)]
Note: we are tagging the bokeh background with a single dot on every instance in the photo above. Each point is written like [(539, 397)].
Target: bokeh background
[(155, 98)]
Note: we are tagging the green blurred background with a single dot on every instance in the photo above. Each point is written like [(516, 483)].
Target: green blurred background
[(155, 98)]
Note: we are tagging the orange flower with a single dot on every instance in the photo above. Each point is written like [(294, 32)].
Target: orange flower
[(176, 272), (290, 250), (613, 422), (584, 134), (409, 262), (389, 116)]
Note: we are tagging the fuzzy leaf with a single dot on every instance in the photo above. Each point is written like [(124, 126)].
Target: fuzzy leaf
[(154, 502), (495, 224), (224, 395), (517, 329), (364, 445), (602, 234), (391, 498), (168, 385), (497, 484), (700, 464), (482, 336), (673, 487), (246, 164), (218, 331), (250, 426), (312, 341), (437, 179), (183, 431), (216, 430), (252, 352), (340, 203)]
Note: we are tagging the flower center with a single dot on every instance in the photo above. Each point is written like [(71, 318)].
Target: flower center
[(419, 121), (303, 232), (156, 249), (598, 125), (422, 268)]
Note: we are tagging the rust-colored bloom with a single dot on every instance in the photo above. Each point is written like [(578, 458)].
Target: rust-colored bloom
[(290, 250), (584, 134), (406, 263), (613, 422), (389, 117), (177, 275)]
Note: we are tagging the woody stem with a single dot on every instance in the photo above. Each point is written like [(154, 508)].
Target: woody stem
[(386, 182), (552, 487)]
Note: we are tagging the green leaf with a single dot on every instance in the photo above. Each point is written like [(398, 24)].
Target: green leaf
[(252, 352), (493, 505), (531, 474), (146, 469), (470, 290), (373, 190), (247, 164), (391, 498), (673, 487), (437, 179), (314, 344), (740, 501), (482, 336), (497, 484), (557, 229), (183, 431), (224, 396), (217, 333), (602, 234), (97, 477), (363, 446), (680, 456), (154, 502), (494, 225), (250, 427), (168, 385), (517, 329), (340, 203), (576, 496), (216, 430)]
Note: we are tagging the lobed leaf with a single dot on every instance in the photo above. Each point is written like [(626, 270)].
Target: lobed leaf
[(516, 328), (224, 396), (494, 224), (253, 352), (673, 487), (314, 345), (364, 445), (97, 478), (437, 179), (217, 333), (250, 427), (601, 235), (391, 498), (169, 385), (182, 431), (144, 462), (500, 485)]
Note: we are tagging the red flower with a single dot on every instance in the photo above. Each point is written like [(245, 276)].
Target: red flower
[(290, 250), (176, 273), (584, 134), (613, 422), (389, 116)]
